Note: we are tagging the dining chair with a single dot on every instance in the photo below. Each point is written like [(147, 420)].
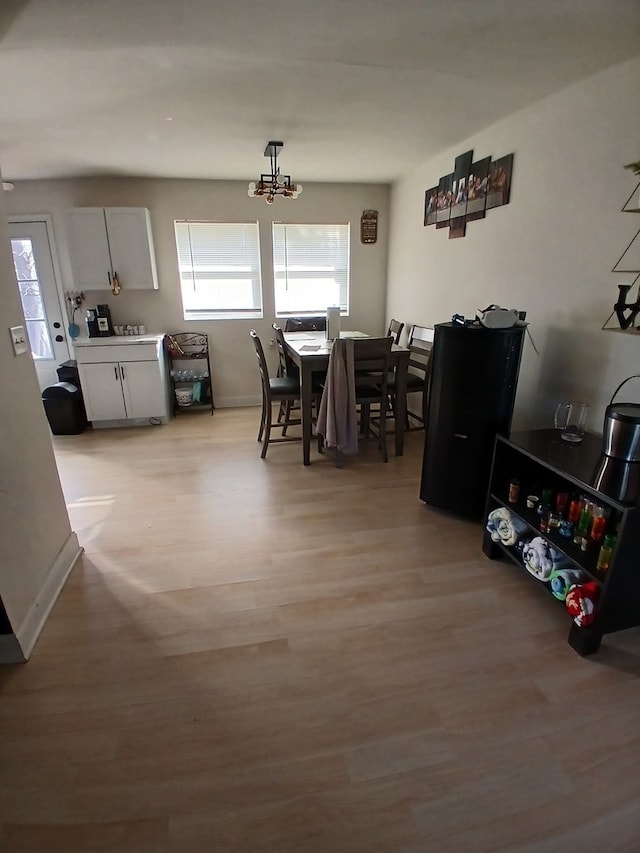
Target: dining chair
[(419, 345), (286, 366), (395, 330), (281, 389), (357, 377), (305, 324)]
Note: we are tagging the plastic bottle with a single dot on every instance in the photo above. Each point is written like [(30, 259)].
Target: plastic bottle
[(606, 552), (599, 524), (575, 509)]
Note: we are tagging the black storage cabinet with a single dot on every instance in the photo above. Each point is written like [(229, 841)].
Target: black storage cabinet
[(472, 388), (64, 407)]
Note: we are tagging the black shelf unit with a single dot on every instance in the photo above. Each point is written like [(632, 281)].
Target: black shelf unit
[(472, 388), (541, 459), (189, 352)]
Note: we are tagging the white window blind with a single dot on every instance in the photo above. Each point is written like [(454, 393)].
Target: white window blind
[(310, 268), (219, 265)]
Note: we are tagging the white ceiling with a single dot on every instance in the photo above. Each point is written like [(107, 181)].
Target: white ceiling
[(358, 90)]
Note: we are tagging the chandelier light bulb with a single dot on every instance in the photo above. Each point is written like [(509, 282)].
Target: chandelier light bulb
[(270, 198)]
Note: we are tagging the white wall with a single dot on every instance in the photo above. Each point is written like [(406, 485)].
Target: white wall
[(549, 251), (235, 377), (37, 547)]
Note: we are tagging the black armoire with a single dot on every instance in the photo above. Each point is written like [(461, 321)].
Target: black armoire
[(472, 388)]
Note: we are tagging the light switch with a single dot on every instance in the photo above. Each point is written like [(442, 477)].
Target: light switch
[(18, 339)]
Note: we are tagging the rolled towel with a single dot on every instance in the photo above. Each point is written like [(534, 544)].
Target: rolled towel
[(561, 579), (542, 559), (582, 601), (504, 526)]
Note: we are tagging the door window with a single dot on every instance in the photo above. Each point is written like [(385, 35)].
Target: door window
[(31, 297)]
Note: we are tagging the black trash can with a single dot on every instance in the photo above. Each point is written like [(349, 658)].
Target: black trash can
[(68, 372), (64, 408)]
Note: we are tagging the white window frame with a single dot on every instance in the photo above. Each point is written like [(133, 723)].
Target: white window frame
[(245, 268), (284, 273)]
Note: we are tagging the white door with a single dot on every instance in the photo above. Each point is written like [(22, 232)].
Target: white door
[(102, 390), (144, 389), (45, 317)]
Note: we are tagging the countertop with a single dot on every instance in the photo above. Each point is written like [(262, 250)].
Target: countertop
[(118, 340)]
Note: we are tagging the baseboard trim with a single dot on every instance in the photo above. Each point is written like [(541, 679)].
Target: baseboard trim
[(33, 623), (237, 402)]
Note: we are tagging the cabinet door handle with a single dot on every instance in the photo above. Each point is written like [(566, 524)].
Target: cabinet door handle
[(115, 370), (122, 372)]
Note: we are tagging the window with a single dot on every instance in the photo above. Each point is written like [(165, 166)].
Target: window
[(310, 268), (31, 297), (219, 265)]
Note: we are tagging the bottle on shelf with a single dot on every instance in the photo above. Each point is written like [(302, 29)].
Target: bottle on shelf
[(584, 524), (606, 552), (599, 523), (562, 499), (575, 508)]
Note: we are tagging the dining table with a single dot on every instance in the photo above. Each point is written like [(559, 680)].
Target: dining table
[(310, 352)]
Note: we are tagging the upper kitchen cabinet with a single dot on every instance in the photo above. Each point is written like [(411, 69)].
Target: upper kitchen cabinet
[(108, 242)]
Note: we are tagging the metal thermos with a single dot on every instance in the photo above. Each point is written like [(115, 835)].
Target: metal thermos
[(621, 434), (618, 471)]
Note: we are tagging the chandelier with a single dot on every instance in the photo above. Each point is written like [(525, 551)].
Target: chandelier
[(274, 184)]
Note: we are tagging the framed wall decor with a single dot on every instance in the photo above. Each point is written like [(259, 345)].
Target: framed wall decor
[(468, 192), (369, 226)]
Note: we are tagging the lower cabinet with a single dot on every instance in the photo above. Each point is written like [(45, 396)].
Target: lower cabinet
[(531, 469), (132, 388)]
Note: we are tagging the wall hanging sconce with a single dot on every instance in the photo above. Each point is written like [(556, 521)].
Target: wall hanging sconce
[(274, 184)]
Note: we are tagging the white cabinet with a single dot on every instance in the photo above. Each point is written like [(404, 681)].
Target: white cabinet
[(123, 384), (108, 241)]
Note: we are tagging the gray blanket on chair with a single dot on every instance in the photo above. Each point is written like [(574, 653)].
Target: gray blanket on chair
[(337, 417)]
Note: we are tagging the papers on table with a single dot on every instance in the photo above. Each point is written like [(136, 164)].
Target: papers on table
[(310, 347)]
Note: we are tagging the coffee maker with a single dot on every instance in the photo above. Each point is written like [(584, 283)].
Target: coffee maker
[(99, 323)]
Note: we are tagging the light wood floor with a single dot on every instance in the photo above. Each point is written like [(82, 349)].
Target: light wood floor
[(258, 656)]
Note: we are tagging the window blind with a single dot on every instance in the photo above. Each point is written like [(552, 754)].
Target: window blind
[(310, 268), (219, 265)]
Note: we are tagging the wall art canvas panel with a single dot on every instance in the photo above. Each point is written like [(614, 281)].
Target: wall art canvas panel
[(430, 206), (477, 191), (457, 220), (468, 192), (445, 192), (499, 182)]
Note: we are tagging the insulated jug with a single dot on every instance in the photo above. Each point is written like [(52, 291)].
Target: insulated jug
[(570, 419), (621, 433)]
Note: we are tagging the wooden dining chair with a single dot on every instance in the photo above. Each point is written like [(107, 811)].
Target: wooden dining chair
[(305, 324), (286, 366), (281, 389), (395, 330), (371, 360), (419, 345)]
